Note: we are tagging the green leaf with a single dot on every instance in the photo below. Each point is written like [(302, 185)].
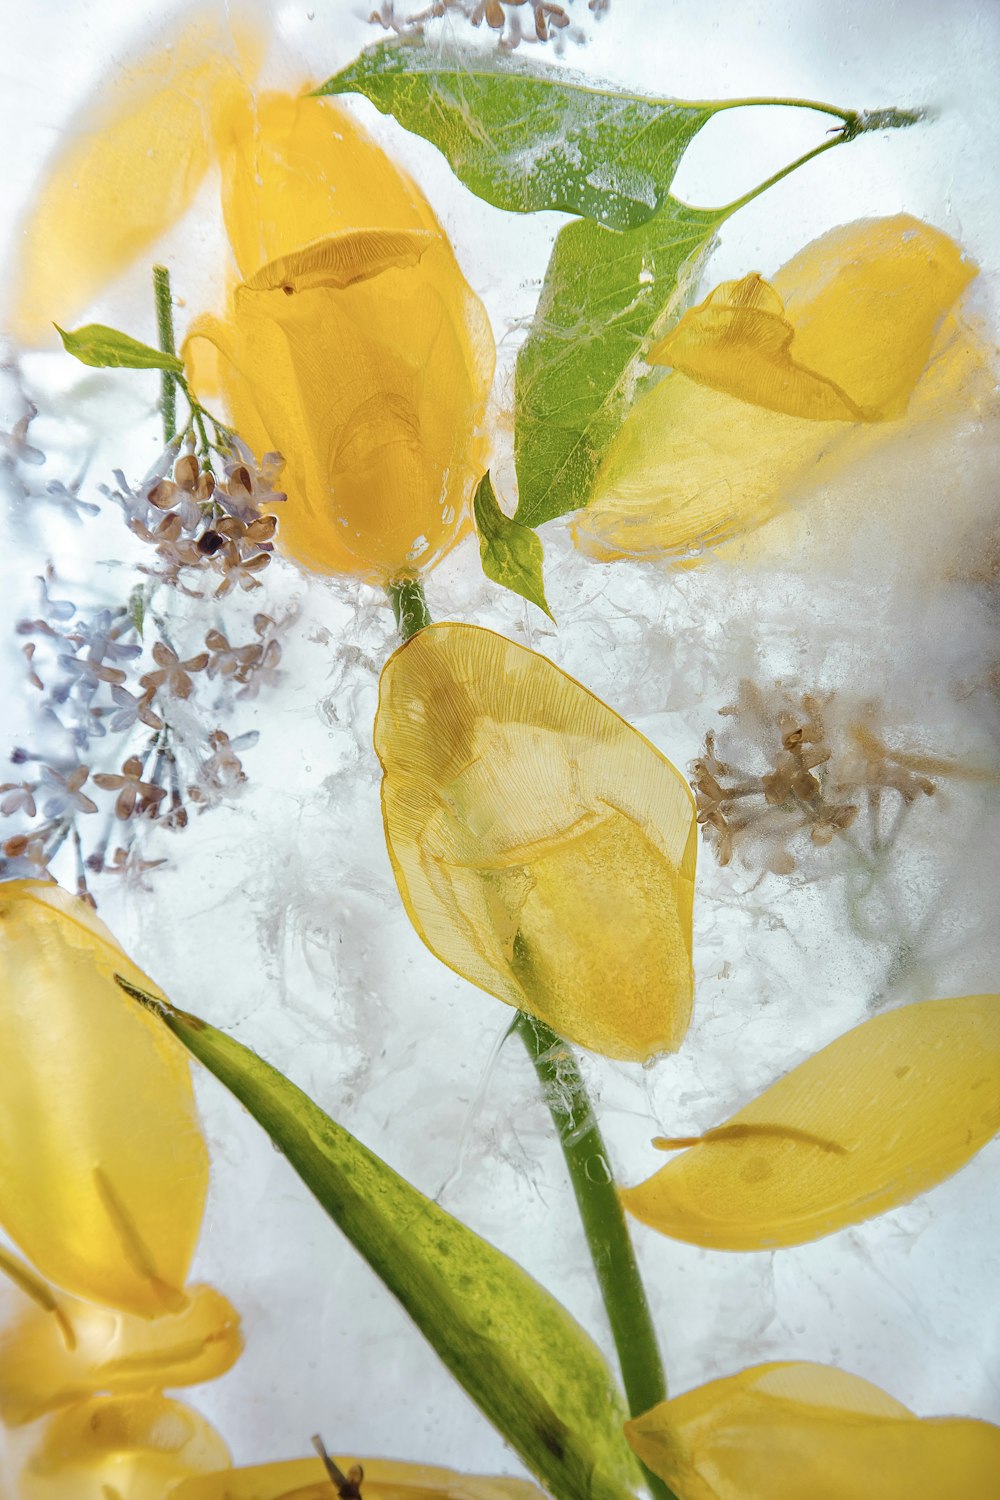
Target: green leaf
[(605, 298), (528, 1366), (526, 139), (106, 348), (511, 553)]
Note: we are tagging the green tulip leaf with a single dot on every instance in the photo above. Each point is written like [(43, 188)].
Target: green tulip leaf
[(511, 553), (606, 297), (527, 138), (105, 348), (527, 1365)]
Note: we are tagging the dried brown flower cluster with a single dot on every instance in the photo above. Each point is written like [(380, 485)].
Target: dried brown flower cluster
[(819, 770), (503, 16)]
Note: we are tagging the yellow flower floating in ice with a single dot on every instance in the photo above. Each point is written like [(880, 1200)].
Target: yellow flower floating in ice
[(384, 1479), (103, 1168), (543, 848), (797, 1431), (47, 1362), (881, 1114), (772, 384), (133, 1447), (352, 345)]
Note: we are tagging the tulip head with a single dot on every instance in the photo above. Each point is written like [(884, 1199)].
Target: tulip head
[(103, 1167), (543, 848)]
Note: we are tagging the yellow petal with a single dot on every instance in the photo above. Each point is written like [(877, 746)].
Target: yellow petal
[(694, 464), (740, 341), (111, 1352), (339, 260), (809, 1432), (880, 1115), (134, 1447), (133, 161), (543, 848), (103, 1169), (384, 1479)]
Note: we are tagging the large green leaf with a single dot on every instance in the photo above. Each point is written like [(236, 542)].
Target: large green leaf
[(526, 139), (520, 1356), (605, 296)]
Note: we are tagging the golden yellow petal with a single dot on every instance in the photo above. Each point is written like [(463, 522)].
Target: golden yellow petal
[(809, 1432), (134, 1447), (103, 1168), (739, 341), (112, 1352), (297, 170), (385, 1479), (693, 467), (340, 259), (881, 1114), (543, 848), (866, 301), (134, 158)]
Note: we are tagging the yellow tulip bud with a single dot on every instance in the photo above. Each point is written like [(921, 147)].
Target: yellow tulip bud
[(772, 387), (45, 1364), (880, 1115), (103, 1168), (134, 1447), (353, 346), (809, 1432), (384, 1479), (543, 848)]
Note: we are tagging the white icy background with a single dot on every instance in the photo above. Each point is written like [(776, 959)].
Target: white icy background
[(279, 920)]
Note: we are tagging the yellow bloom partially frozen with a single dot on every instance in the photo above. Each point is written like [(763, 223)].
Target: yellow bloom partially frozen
[(797, 1431), (883, 1113), (48, 1362), (130, 1447), (353, 344), (384, 1479), (543, 848), (103, 1167), (773, 384)]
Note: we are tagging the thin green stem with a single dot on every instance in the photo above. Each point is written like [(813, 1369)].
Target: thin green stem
[(847, 115), (603, 1220), (409, 606), (762, 187), (165, 331)]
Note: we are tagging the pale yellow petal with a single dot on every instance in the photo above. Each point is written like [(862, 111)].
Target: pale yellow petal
[(134, 1447), (543, 848), (739, 341), (133, 159), (883, 1113), (111, 1352), (384, 1479), (808, 1432), (341, 259), (866, 301), (103, 1168)]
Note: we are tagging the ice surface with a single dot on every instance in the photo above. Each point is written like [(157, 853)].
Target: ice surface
[(277, 917)]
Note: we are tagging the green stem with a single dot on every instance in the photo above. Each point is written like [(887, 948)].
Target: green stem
[(603, 1219), (800, 161), (165, 331), (409, 606)]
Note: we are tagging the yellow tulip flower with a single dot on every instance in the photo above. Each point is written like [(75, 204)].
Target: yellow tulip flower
[(883, 1113), (352, 344), (543, 848), (797, 1431), (103, 1168), (45, 1363), (384, 1479), (773, 386), (134, 1447)]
